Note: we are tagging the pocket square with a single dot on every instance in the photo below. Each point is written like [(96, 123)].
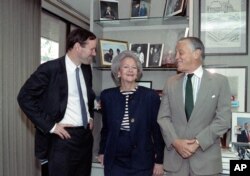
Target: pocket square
[(213, 96)]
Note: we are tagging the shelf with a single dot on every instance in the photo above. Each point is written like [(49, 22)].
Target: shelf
[(150, 22), (144, 69), (172, 68)]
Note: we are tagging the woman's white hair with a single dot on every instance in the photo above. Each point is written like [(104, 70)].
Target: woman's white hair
[(116, 64)]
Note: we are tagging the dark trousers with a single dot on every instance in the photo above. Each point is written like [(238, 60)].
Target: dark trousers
[(122, 163), (45, 170), (71, 157), (120, 171)]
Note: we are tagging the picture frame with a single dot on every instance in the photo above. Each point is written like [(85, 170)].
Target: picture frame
[(140, 8), (174, 7), (237, 77), (240, 121), (141, 50), (109, 49), (147, 84), (109, 10), (224, 27), (242, 149), (155, 55), (239, 135)]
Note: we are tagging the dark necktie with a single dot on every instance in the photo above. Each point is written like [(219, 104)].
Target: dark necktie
[(82, 103), (189, 101)]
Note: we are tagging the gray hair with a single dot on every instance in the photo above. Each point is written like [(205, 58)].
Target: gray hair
[(195, 43), (116, 63)]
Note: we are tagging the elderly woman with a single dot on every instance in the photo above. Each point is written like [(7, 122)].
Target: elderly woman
[(131, 142)]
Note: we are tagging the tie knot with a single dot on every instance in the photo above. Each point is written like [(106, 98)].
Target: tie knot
[(190, 75), (77, 70)]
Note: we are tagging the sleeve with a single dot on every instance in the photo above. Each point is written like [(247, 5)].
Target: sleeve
[(222, 118), (30, 95), (164, 117), (104, 130), (157, 136)]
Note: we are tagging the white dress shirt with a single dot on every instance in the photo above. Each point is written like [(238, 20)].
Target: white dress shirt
[(72, 114)]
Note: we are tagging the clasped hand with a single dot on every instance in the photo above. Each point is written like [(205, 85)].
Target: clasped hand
[(186, 148)]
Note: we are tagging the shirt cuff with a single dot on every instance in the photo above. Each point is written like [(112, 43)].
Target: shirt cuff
[(53, 129)]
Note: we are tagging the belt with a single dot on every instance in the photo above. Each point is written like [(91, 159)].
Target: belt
[(77, 127)]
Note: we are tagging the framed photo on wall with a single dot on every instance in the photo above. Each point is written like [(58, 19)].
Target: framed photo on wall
[(111, 48), (141, 50), (174, 7), (224, 26), (140, 8), (237, 77), (155, 55), (108, 9)]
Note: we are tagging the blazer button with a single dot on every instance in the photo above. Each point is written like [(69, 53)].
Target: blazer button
[(132, 120)]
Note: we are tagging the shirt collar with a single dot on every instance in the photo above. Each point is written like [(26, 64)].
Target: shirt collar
[(71, 65), (198, 72)]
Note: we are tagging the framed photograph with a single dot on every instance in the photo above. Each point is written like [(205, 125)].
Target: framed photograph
[(242, 149), (224, 27), (155, 55), (108, 9), (140, 8), (141, 50), (241, 134), (237, 77), (147, 84), (111, 48), (241, 127), (174, 7)]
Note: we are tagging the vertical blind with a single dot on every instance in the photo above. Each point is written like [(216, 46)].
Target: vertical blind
[(19, 56)]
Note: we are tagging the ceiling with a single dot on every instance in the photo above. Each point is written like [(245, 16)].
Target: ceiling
[(80, 6)]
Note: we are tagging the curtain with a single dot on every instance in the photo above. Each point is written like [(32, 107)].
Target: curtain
[(19, 56)]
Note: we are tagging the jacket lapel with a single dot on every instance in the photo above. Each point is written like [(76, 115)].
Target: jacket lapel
[(179, 101), (179, 93), (203, 92)]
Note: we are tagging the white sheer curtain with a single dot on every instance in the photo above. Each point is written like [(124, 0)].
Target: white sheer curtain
[(19, 56)]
